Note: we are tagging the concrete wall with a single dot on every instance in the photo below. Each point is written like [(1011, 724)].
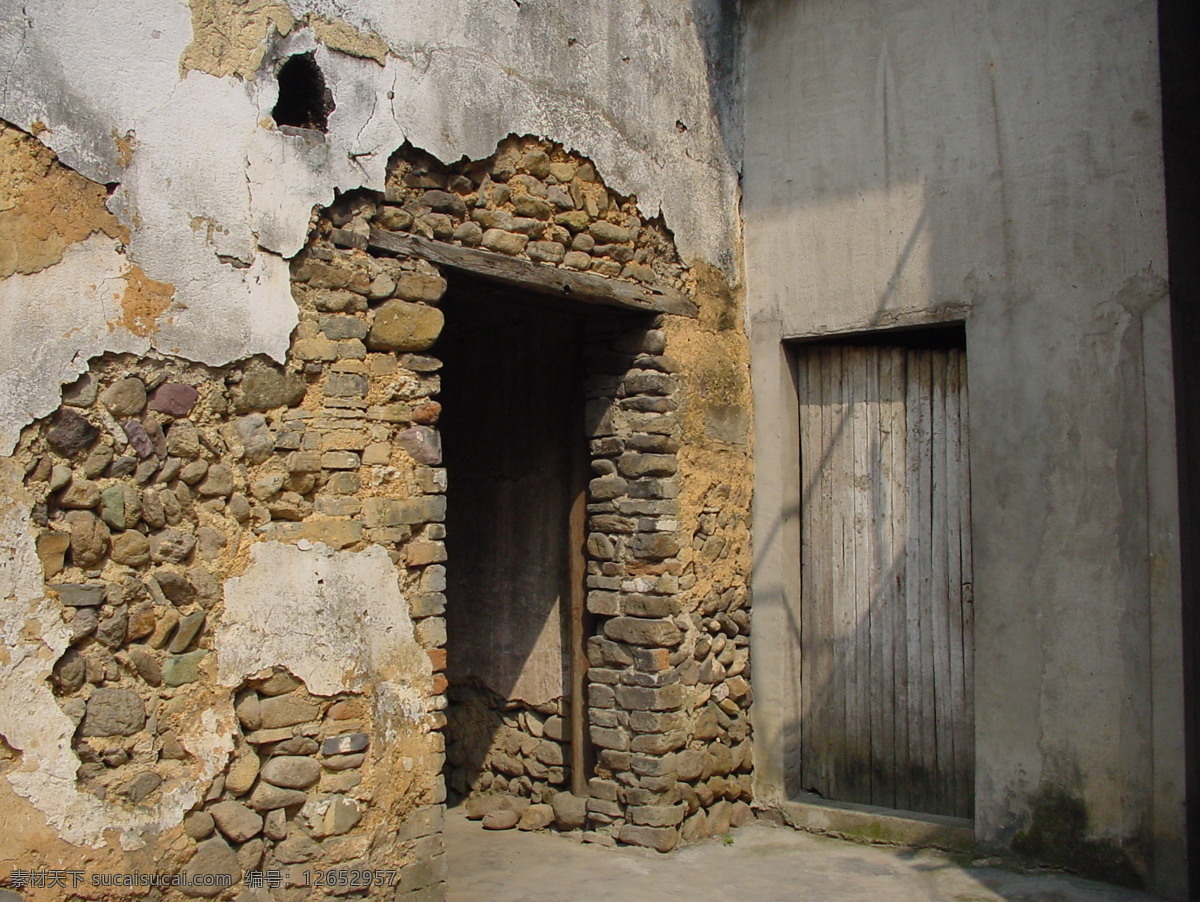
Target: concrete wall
[(1000, 164)]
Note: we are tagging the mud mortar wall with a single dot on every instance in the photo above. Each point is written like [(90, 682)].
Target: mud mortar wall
[(245, 567), (667, 543), (173, 564), (241, 621)]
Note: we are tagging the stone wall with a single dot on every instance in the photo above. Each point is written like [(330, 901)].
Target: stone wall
[(666, 696), (532, 200), (500, 745), (245, 566), (667, 548), (158, 247), (157, 481)]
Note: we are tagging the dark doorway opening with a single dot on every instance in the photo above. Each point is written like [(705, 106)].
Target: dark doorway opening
[(516, 462)]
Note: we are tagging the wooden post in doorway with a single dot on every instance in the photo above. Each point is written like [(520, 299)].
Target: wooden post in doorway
[(577, 638)]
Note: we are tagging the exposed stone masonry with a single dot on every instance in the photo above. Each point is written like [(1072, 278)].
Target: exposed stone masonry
[(668, 684), (505, 746), (531, 200), (651, 701), (156, 477), (152, 479)]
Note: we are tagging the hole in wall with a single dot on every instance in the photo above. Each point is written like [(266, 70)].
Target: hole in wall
[(304, 100)]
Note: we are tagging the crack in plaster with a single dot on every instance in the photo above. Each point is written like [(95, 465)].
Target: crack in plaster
[(28, 26)]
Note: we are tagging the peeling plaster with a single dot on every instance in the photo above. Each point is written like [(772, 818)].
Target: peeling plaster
[(228, 35), (347, 39), (44, 207), (32, 722), (336, 620), (202, 180), (607, 80), (55, 320), (143, 302)]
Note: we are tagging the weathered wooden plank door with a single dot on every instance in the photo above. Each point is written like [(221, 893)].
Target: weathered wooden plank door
[(885, 621)]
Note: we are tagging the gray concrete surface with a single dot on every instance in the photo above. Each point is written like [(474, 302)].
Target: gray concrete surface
[(758, 863), (999, 166)]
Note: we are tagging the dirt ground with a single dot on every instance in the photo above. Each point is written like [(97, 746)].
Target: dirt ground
[(757, 863)]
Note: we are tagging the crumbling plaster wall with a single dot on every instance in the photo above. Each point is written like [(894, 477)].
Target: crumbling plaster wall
[(179, 203), (214, 200)]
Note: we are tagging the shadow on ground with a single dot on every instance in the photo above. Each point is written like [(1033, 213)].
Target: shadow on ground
[(758, 862)]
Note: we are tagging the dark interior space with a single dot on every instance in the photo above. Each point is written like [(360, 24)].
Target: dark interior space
[(1179, 26), (516, 463), (939, 336), (304, 100)]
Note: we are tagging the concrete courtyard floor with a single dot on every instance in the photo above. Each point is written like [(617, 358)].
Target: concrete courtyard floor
[(762, 864)]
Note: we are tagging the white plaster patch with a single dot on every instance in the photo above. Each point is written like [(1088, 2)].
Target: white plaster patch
[(33, 637), (187, 201), (336, 620), (55, 321)]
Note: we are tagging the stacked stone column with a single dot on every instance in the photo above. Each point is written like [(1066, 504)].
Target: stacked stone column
[(635, 698)]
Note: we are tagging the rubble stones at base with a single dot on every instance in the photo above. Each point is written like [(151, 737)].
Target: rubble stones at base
[(570, 811), (501, 819), (536, 817)]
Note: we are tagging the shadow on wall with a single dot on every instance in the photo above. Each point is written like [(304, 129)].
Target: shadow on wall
[(924, 179), (721, 29)]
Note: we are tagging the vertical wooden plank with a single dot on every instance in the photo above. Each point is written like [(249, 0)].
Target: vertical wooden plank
[(841, 471), (926, 589), (920, 660), (859, 499), (912, 587), (830, 702), (816, 574), (834, 685), (797, 636), (891, 611), (961, 721), (898, 490), (849, 595), (879, 684), (846, 593), (939, 590), (808, 384), (967, 577), (818, 640)]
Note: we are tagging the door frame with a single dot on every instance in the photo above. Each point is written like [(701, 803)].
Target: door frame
[(776, 588)]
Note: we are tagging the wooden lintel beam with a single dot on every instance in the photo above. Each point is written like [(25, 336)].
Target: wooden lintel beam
[(548, 280)]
